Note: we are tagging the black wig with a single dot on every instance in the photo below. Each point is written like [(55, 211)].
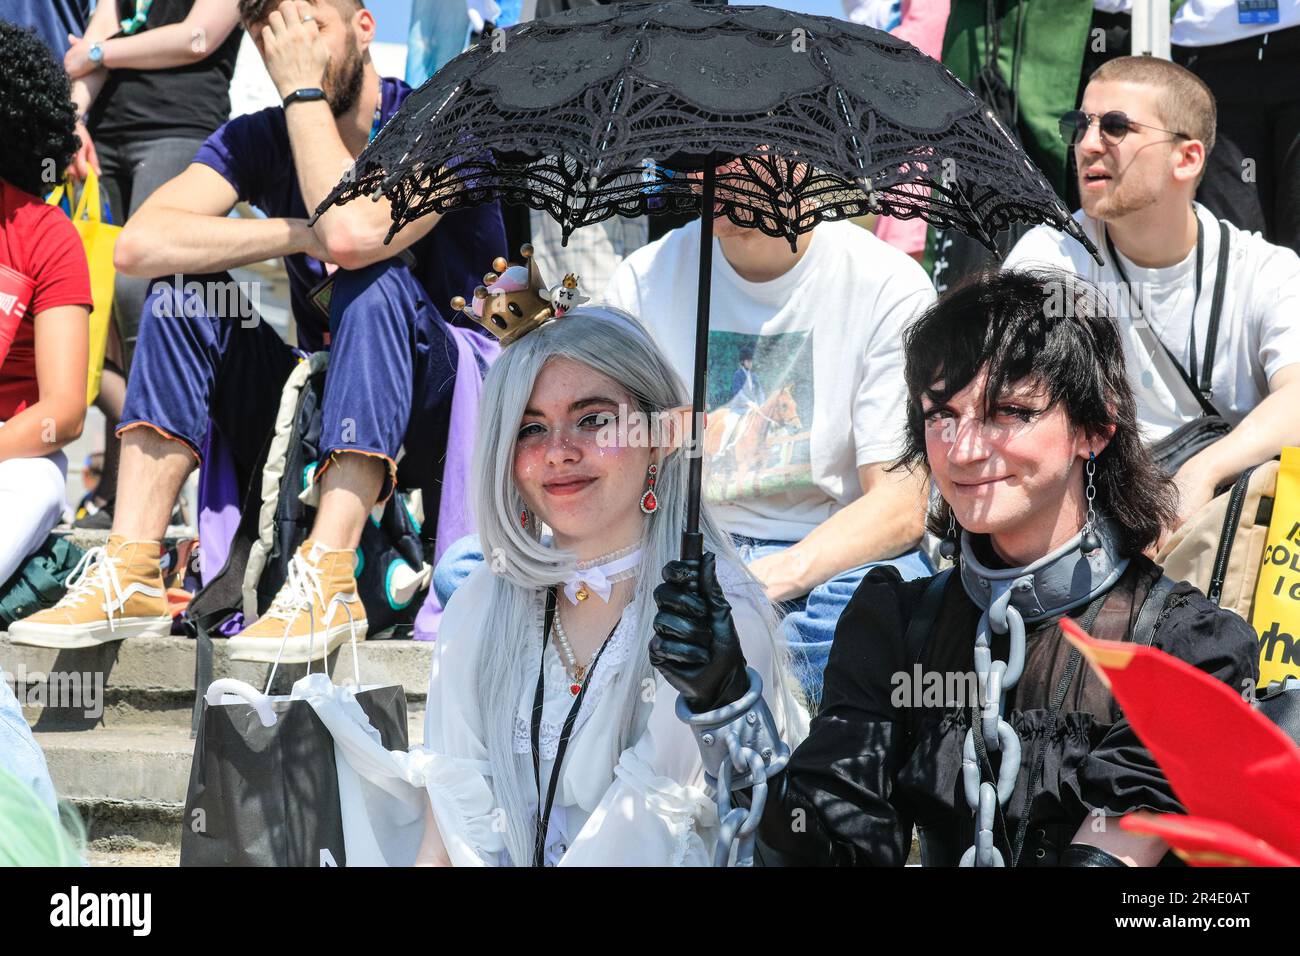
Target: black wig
[(37, 118), (1052, 328)]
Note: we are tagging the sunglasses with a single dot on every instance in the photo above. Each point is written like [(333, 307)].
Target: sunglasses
[(1114, 125)]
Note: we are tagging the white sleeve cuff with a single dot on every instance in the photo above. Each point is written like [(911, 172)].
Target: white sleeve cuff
[(463, 806)]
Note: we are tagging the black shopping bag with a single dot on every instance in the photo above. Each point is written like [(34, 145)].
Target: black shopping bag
[(269, 795)]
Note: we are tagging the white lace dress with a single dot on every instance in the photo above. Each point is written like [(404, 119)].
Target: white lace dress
[(642, 806)]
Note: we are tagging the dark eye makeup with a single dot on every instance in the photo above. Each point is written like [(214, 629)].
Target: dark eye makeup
[(592, 420), (1022, 412)]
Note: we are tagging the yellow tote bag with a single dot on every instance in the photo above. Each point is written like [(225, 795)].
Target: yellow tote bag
[(1276, 615), (98, 238)]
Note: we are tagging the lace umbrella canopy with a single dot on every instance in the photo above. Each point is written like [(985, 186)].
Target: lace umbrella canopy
[(777, 120)]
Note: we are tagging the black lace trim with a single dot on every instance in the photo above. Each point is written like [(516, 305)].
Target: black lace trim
[(613, 110)]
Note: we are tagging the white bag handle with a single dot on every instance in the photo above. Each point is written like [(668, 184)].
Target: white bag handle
[(254, 697), (311, 640)]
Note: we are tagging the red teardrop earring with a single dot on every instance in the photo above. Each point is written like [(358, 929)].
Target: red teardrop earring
[(649, 503), (523, 519)]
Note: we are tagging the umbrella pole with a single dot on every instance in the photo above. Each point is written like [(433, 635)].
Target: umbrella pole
[(692, 540)]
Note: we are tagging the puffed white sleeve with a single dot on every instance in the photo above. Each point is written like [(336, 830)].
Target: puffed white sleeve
[(452, 765), (657, 811)]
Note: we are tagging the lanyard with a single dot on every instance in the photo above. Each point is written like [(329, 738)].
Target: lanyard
[(375, 127), (1196, 296), (544, 807)]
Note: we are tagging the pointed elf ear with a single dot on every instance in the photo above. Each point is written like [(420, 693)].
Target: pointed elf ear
[(675, 429)]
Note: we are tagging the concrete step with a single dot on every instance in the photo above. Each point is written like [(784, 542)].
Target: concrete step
[(126, 851), (149, 764), (150, 680), (129, 783), (137, 826)]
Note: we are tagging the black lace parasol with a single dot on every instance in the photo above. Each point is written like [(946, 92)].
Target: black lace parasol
[(777, 120)]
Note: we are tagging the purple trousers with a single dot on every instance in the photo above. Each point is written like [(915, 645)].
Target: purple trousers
[(203, 353)]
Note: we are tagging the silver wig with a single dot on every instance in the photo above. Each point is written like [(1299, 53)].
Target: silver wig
[(614, 344)]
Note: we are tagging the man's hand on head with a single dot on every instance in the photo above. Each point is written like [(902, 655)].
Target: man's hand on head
[(293, 50)]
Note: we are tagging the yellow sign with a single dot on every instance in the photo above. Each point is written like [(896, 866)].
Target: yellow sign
[(1276, 615)]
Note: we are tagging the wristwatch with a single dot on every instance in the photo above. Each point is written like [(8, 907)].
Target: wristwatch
[(305, 95), (96, 53)]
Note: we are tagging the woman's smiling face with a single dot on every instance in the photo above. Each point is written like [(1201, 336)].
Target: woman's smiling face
[(1015, 474), (570, 475)]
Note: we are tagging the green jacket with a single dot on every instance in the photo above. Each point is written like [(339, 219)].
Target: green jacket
[(1055, 36)]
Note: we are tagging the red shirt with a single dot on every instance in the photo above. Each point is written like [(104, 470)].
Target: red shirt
[(39, 241)]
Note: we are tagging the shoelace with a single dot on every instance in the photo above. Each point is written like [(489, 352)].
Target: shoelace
[(96, 571), (301, 591)]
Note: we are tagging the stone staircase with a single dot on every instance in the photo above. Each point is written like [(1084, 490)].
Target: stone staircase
[(114, 722)]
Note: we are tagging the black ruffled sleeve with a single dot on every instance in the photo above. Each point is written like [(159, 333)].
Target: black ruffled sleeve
[(834, 802), (1120, 775)]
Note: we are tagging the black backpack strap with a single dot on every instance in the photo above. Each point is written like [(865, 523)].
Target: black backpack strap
[(1228, 534), (1153, 606), (924, 616), (1216, 311), (202, 673)]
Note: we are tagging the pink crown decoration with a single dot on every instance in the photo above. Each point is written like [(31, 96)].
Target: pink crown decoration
[(513, 299)]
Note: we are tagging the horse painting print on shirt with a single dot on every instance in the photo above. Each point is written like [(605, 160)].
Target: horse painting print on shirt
[(756, 443)]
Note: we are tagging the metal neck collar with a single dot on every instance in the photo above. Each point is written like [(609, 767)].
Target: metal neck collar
[(1055, 584)]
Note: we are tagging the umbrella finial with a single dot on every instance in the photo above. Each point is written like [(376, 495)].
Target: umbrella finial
[(865, 184)]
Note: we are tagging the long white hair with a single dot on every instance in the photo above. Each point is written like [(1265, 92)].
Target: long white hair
[(614, 344)]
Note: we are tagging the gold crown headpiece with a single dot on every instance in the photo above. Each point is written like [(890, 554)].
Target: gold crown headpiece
[(514, 300)]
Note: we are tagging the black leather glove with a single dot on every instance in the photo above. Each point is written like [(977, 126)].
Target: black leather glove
[(695, 645)]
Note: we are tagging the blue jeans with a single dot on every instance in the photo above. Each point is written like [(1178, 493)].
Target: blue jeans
[(20, 754), (809, 622)]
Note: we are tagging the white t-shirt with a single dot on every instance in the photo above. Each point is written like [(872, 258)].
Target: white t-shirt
[(782, 452), (1259, 328), (1211, 22)]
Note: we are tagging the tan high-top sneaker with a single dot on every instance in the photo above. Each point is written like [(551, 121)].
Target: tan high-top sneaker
[(321, 591), (114, 592)]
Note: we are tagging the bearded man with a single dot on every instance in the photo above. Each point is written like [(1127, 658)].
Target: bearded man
[(1210, 313), (204, 355)]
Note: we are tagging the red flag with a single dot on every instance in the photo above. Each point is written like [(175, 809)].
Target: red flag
[(1230, 766)]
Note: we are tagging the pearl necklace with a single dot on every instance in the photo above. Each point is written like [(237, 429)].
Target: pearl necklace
[(575, 670)]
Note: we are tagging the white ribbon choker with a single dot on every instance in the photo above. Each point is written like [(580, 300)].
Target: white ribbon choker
[(601, 578)]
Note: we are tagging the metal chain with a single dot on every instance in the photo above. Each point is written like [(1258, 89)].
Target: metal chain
[(1090, 490), (994, 679), (738, 826)]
